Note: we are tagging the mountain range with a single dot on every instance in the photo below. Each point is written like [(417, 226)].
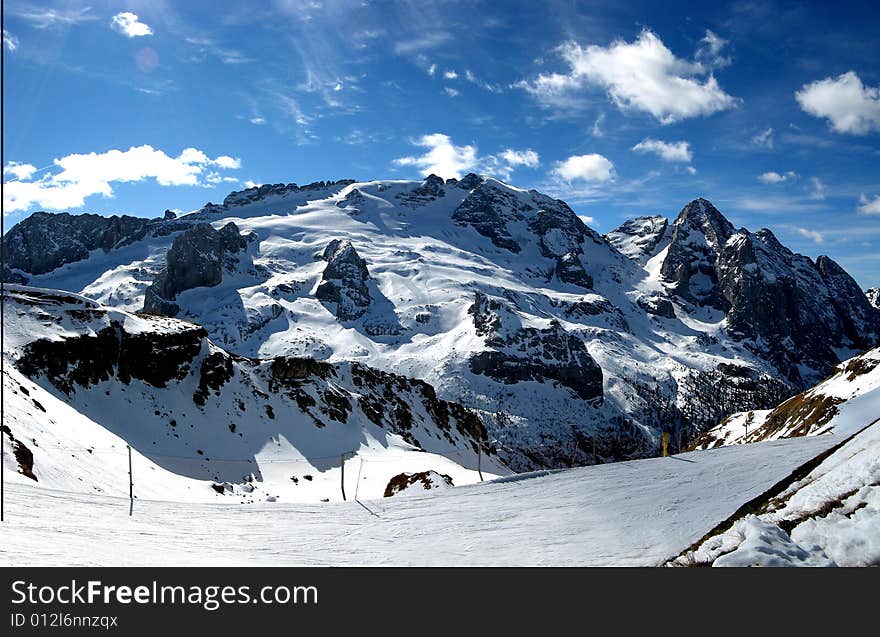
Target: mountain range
[(465, 325)]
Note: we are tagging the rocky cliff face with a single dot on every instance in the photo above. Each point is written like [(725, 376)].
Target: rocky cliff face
[(344, 281), (641, 238), (794, 312), (517, 354), (197, 258), (45, 241), (500, 213), (690, 266)]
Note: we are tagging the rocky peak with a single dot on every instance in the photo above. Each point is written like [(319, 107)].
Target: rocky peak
[(705, 218), (46, 241), (344, 283), (641, 238), (197, 258), (699, 233), (468, 182), (430, 189)]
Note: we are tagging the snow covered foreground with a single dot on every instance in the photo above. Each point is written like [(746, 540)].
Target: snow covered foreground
[(637, 513)]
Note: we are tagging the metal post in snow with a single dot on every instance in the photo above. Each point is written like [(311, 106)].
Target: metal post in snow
[(130, 484), (479, 463), (342, 476)]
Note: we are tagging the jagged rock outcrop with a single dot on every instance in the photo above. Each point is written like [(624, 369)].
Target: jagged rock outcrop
[(430, 190), (795, 312), (197, 258), (641, 238), (873, 295), (518, 353), (44, 241), (791, 311), (496, 212), (698, 236), (861, 320), (257, 193), (657, 305), (344, 281)]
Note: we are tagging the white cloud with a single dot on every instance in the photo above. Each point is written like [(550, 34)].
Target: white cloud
[(773, 177), (869, 206), (667, 151), (445, 159), (642, 75), (19, 170), (442, 158), (83, 175), (450, 75), (764, 138), (819, 189), (432, 69), (252, 184), (810, 234), (850, 106), (259, 121), (227, 162), (691, 170), (526, 157), (592, 167), (9, 41), (129, 25), (451, 92)]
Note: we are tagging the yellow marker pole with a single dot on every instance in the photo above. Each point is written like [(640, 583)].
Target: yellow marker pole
[(665, 441)]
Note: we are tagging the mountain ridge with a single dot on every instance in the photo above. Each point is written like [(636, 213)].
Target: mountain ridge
[(673, 332)]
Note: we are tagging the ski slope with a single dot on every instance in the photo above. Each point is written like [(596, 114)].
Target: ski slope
[(637, 513)]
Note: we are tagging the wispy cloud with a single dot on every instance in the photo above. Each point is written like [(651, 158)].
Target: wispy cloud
[(422, 43), (764, 138), (869, 206), (43, 18), (9, 41), (209, 46), (812, 235), (818, 189)]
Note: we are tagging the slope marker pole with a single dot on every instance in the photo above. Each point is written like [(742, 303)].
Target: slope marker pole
[(479, 462), (342, 475), (130, 485)]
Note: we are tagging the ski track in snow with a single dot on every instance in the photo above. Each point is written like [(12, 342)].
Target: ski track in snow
[(637, 513)]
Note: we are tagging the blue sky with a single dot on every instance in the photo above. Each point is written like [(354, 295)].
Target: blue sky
[(772, 111)]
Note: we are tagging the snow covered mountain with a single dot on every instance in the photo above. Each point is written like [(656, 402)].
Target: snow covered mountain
[(83, 381), (571, 347)]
